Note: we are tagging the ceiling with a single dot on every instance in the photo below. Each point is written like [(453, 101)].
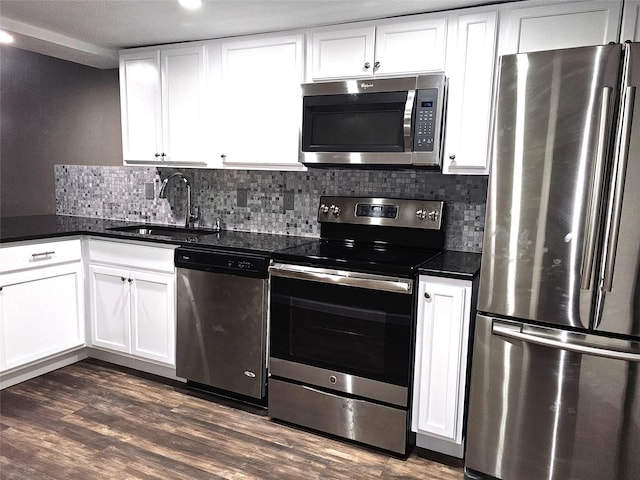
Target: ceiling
[(92, 31)]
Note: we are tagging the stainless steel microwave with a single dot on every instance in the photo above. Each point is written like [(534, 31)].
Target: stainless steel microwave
[(374, 122)]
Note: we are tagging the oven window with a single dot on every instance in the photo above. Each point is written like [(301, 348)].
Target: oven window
[(372, 122), (347, 329)]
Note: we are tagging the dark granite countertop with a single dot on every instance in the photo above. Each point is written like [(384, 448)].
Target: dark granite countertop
[(14, 229), (462, 265)]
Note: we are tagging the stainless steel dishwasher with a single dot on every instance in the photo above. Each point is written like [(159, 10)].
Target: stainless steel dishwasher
[(221, 338)]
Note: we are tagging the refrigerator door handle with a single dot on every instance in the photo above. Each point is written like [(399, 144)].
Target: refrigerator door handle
[(593, 212), (573, 342), (618, 187)]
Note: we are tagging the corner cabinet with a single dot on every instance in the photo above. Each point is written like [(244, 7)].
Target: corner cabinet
[(442, 342), (133, 300), (258, 101), (41, 304), (162, 97), (385, 48)]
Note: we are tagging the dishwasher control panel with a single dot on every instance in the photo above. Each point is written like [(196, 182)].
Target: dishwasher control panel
[(234, 263)]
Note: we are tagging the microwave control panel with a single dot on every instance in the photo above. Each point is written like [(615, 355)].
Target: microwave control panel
[(425, 120)]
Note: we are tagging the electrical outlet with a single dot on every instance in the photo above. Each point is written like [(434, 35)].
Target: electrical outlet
[(241, 196), (288, 201), (149, 191)]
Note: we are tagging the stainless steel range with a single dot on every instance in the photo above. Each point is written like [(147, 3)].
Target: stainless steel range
[(343, 319)]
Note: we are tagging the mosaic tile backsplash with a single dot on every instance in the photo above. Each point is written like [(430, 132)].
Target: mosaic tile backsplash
[(120, 193)]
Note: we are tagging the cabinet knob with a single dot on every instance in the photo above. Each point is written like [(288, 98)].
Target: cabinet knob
[(122, 279), (376, 65), (452, 157), (223, 156), (157, 155), (129, 280), (367, 65), (427, 296)]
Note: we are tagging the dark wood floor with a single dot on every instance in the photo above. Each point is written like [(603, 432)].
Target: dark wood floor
[(89, 421)]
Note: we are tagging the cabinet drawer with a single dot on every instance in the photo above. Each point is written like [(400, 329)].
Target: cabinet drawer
[(132, 255), (39, 254)]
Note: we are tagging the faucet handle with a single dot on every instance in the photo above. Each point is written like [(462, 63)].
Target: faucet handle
[(194, 216)]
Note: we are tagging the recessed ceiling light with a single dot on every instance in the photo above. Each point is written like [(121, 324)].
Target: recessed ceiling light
[(191, 4), (5, 37)]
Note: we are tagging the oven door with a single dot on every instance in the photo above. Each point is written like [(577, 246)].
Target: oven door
[(347, 322)]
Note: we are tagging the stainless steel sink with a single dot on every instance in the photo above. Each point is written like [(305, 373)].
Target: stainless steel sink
[(171, 233)]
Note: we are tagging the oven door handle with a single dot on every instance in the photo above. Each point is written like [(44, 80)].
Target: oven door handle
[(342, 278)]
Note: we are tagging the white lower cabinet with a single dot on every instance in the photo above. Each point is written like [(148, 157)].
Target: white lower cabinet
[(133, 300), (41, 306), (442, 339)]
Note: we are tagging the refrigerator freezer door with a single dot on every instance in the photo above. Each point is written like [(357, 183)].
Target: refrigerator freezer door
[(620, 311), (541, 411), (553, 126)]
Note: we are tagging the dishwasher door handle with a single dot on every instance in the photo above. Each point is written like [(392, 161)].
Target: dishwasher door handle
[(342, 278)]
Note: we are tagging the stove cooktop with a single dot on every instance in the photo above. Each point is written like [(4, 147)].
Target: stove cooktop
[(347, 255)]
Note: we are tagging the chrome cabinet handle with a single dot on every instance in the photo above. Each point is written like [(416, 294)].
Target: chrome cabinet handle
[(42, 254), (593, 212)]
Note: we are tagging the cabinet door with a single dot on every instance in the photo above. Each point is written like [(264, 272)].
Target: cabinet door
[(140, 103), (546, 27), (441, 339), (183, 98), (41, 314), (631, 21), (261, 113), (110, 317), (346, 52), (471, 48), (153, 316), (404, 48)]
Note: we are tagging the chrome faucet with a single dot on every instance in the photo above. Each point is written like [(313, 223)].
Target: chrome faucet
[(190, 218)]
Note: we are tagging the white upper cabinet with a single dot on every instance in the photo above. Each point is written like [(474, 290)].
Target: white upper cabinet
[(258, 101), (530, 26), (162, 94), (471, 53), (390, 48), (631, 21), (339, 53), (403, 48)]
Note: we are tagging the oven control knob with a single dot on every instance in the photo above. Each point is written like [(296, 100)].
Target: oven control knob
[(421, 214), (434, 215), (335, 210), (324, 209)]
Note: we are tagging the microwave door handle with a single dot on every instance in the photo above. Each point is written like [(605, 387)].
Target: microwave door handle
[(569, 342), (624, 137), (409, 107), (593, 211)]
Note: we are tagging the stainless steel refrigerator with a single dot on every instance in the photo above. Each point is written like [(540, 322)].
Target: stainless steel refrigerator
[(555, 375)]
